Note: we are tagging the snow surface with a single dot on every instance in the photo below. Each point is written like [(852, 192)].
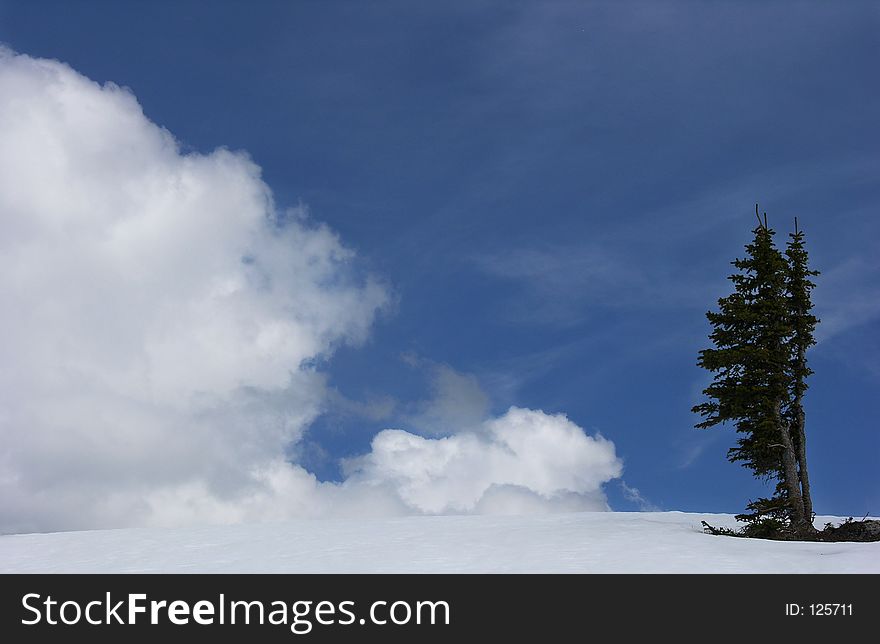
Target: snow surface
[(601, 542)]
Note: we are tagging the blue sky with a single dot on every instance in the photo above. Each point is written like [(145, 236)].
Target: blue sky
[(553, 192)]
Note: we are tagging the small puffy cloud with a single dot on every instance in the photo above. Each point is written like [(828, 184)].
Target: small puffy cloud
[(518, 462)]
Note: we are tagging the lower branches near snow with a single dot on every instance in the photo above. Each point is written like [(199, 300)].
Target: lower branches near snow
[(770, 528)]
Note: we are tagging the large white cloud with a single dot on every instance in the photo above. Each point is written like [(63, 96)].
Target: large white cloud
[(159, 315), (160, 323)]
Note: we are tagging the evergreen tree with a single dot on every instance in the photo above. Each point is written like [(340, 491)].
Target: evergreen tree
[(803, 324), (758, 374)]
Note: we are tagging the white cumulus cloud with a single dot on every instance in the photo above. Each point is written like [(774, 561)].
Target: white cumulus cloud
[(160, 324), (518, 462), (159, 315)]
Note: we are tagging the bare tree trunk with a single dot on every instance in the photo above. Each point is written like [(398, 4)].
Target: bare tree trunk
[(802, 463), (790, 472)]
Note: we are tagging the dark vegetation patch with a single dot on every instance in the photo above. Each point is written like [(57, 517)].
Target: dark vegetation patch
[(770, 528)]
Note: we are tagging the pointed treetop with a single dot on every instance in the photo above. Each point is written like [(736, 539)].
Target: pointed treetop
[(761, 224)]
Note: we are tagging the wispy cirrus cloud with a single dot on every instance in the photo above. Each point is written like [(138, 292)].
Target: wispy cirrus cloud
[(847, 296), (633, 495)]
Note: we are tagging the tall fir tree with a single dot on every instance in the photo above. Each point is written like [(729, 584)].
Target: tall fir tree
[(803, 322), (756, 374)]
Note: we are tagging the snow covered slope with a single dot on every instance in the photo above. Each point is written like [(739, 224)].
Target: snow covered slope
[(585, 542)]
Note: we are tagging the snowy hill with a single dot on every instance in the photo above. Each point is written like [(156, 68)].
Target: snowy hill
[(584, 542)]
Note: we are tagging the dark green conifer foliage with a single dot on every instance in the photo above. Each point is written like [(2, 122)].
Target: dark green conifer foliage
[(760, 334)]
